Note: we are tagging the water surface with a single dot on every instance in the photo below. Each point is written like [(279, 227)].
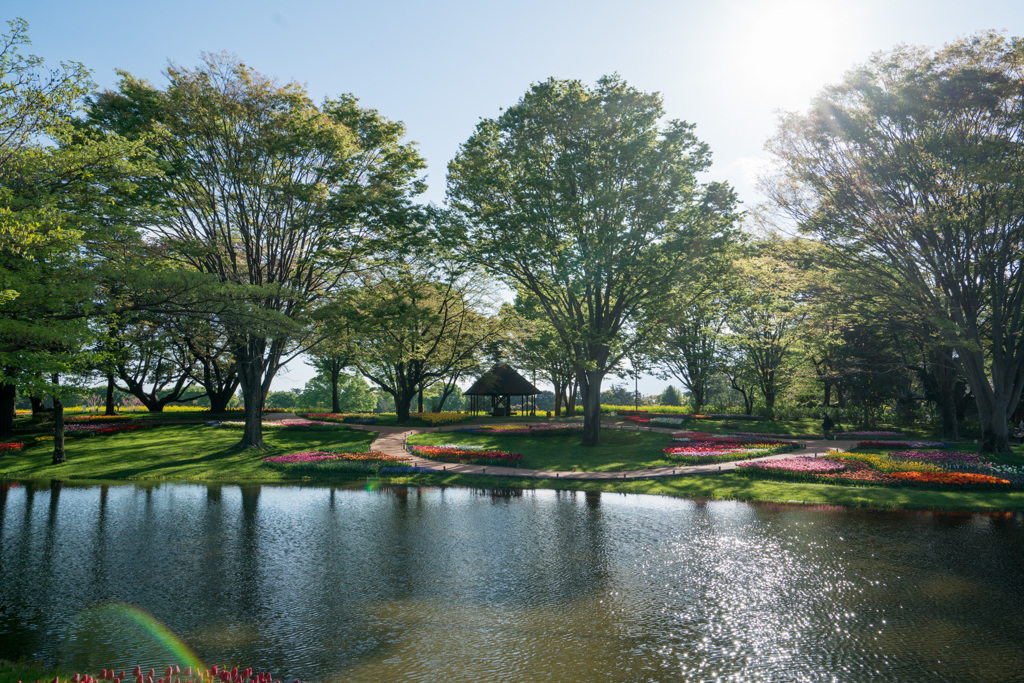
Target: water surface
[(428, 584)]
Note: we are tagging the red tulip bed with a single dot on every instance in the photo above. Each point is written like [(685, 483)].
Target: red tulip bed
[(323, 461), (941, 469), (173, 674), (11, 446), (712, 449), (471, 455)]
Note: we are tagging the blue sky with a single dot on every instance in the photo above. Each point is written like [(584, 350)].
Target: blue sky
[(729, 66)]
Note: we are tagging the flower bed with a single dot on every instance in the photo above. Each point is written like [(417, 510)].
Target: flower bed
[(524, 430), (948, 478), (692, 435), (437, 419), (320, 461), (174, 674), (467, 455), (800, 467), (97, 418), (906, 468), (11, 446), (712, 450), (351, 418)]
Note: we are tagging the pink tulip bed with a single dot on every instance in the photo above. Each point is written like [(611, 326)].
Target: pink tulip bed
[(709, 450), (350, 418), (525, 430), (307, 463), (471, 455), (102, 429), (173, 674)]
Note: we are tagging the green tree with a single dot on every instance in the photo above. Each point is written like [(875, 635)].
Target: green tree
[(272, 196), (579, 197), (912, 172), (64, 199), (766, 311), (670, 397), (414, 326)]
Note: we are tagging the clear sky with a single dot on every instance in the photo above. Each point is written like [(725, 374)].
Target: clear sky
[(729, 66)]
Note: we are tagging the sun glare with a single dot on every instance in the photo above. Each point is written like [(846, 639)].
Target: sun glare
[(784, 52)]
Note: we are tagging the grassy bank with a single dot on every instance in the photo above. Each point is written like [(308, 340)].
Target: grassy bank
[(12, 672), (197, 452), (737, 487), (182, 452)]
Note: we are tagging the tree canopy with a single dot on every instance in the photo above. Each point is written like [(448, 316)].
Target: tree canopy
[(912, 171), (584, 200)]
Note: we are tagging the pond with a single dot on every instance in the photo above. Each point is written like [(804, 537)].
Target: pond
[(328, 584)]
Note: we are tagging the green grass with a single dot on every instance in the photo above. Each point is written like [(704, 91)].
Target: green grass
[(620, 450), (12, 672), (200, 453), (187, 452), (738, 487)]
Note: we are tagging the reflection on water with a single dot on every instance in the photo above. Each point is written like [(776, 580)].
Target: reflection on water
[(421, 584)]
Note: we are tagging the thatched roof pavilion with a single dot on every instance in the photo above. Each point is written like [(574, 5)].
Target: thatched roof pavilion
[(501, 383)]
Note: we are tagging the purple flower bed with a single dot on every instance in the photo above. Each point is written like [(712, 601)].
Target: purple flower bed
[(938, 457), (800, 464)]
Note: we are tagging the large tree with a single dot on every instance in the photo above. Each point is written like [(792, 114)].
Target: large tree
[(276, 198), (582, 199), (64, 199), (414, 326), (912, 171)]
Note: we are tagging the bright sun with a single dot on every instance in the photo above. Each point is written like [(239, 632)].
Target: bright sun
[(785, 51)]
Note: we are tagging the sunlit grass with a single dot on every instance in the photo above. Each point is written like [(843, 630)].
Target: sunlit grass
[(189, 452)]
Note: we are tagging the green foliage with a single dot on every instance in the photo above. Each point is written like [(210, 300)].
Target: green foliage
[(354, 395), (670, 397), (272, 196), (579, 198), (910, 170)]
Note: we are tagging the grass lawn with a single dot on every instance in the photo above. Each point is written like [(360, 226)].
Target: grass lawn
[(12, 672), (620, 450), (187, 452)]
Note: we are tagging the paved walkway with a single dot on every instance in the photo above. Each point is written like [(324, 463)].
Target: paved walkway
[(391, 440)]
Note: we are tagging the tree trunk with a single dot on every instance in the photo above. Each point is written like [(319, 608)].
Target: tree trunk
[(7, 398), (37, 405), (335, 402), (109, 405), (590, 386), (559, 389), (250, 373), (59, 456), (403, 399)]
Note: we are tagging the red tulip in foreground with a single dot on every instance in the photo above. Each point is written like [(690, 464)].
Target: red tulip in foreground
[(170, 673)]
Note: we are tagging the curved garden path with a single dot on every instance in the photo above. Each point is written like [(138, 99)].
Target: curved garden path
[(391, 440)]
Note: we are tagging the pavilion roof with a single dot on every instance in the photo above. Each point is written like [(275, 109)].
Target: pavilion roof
[(502, 380)]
